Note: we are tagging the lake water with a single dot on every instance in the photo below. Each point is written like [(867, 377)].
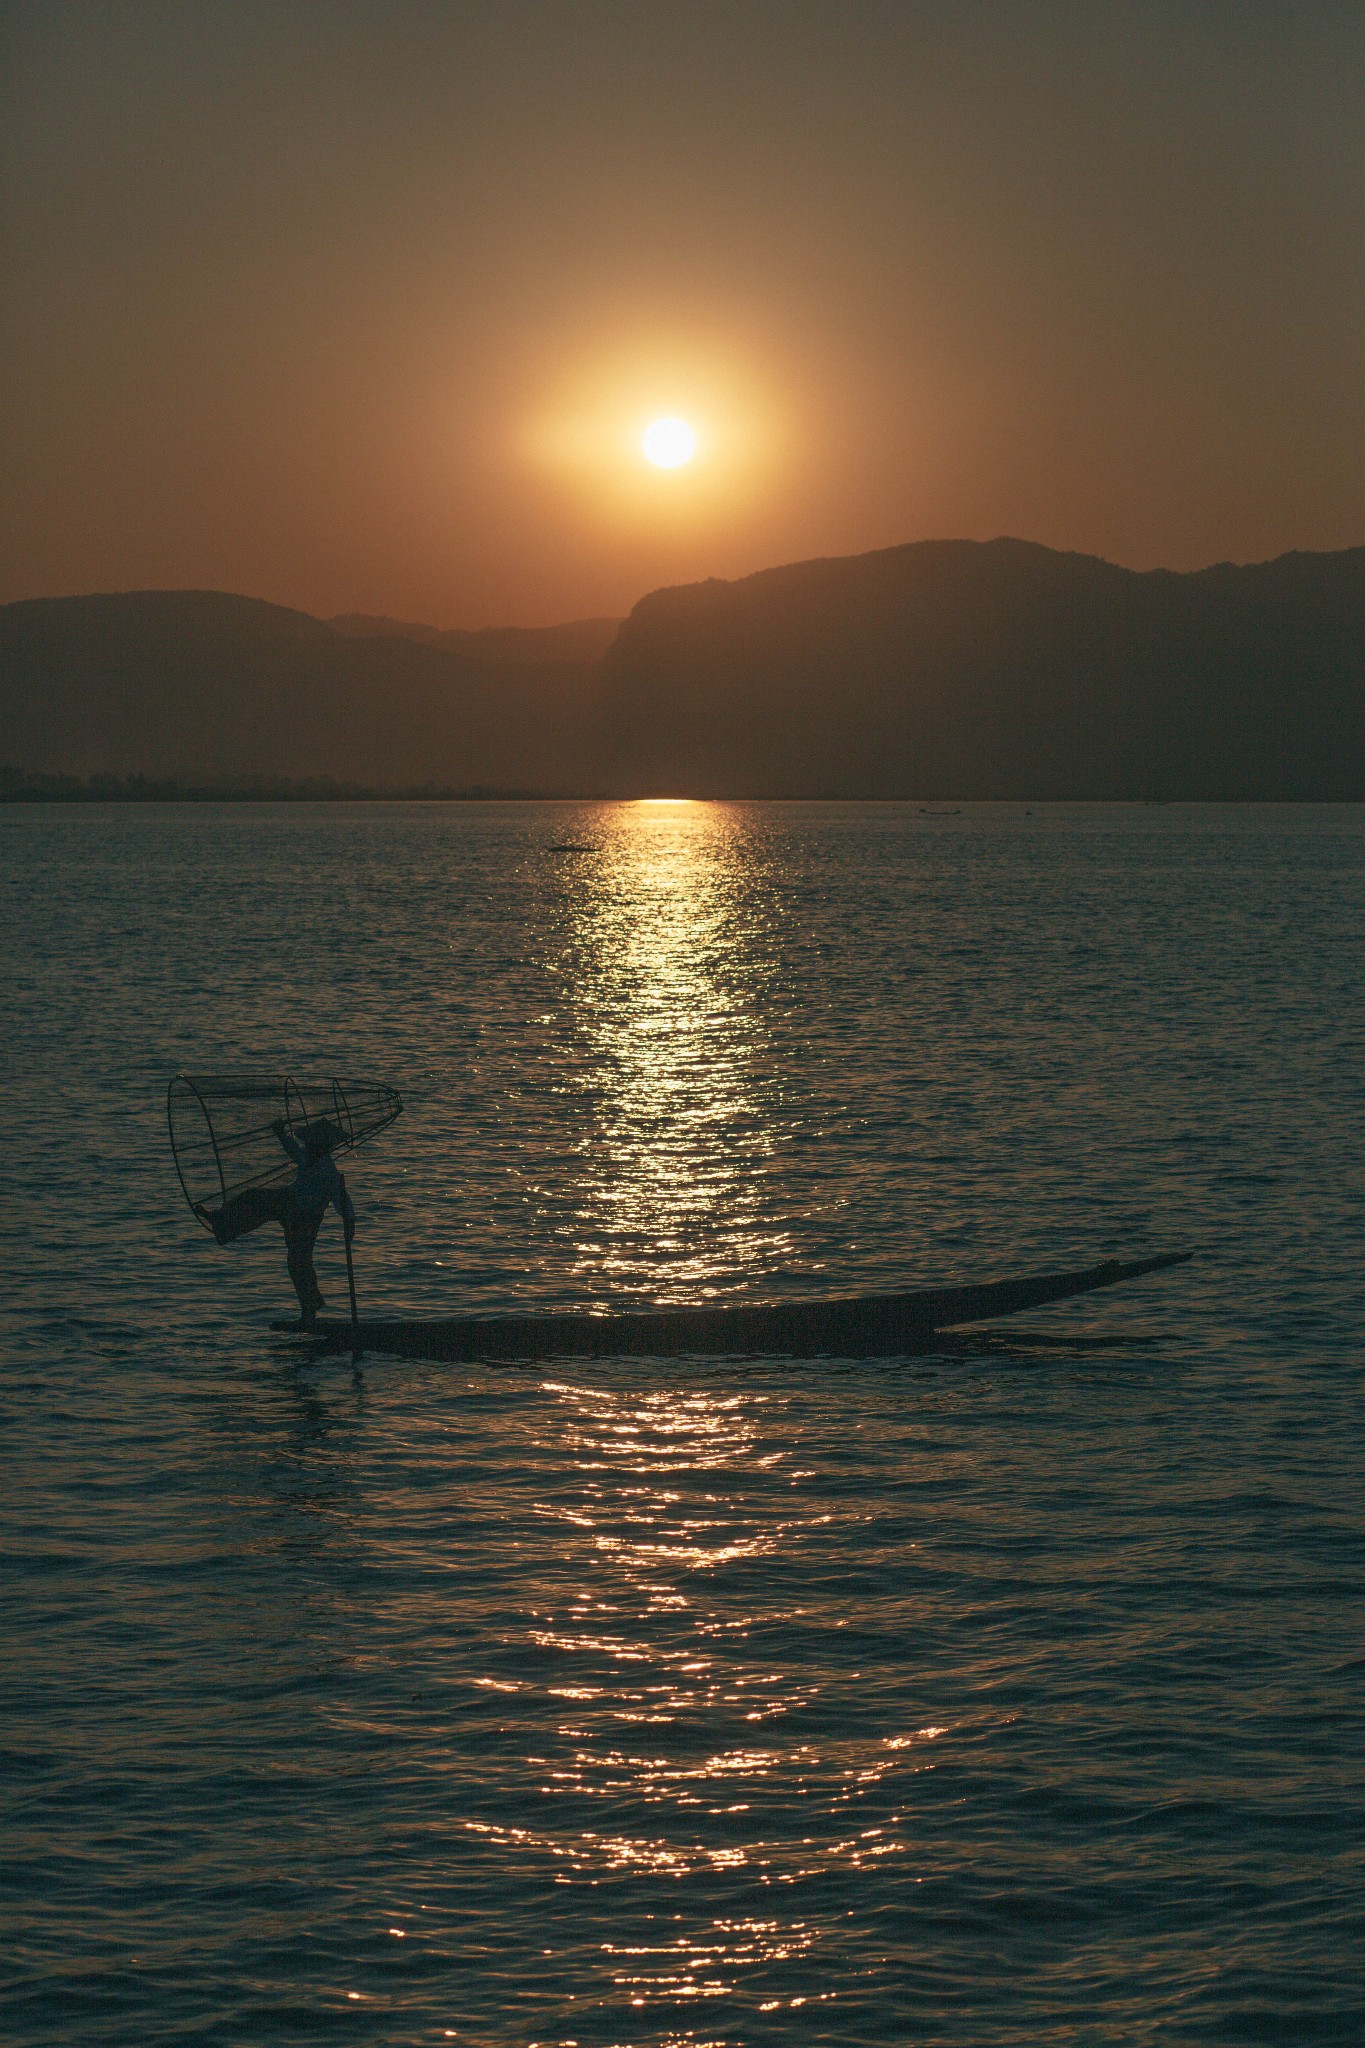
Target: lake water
[(1011, 1695)]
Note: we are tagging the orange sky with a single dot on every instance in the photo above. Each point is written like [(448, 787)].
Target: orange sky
[(362, 307)]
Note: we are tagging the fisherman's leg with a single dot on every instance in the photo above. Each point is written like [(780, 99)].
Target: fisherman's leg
[(305, 1281), (245, 1212), (300, 1235)]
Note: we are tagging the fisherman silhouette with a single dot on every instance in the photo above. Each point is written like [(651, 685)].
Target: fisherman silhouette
[(317, 1187), (298, 1209)]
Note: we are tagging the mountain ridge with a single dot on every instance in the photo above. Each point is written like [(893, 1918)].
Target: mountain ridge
[(213, 687), (942, 668), (997, 669)]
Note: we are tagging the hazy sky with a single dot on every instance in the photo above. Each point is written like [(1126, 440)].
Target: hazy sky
[(363, 306)]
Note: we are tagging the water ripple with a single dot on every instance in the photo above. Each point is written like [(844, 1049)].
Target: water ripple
[(1010, 1696)]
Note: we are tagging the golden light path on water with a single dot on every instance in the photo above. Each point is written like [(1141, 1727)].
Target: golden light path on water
[(667, 960), (681, 1723), (681, 1726)]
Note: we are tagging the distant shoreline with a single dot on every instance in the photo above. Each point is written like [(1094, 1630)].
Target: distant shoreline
[(17, 787)]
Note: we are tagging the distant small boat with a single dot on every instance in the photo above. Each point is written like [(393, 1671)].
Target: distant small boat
[(572, 846), (862, 1326)]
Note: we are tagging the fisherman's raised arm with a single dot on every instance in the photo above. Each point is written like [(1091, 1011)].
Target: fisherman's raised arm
[(297, 1152)]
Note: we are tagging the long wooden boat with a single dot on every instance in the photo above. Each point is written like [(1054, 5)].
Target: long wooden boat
[(862, 1326)]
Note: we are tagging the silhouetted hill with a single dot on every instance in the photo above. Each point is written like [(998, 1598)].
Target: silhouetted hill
[(997, 669), (940, 669), (505, 646), (206, 687)]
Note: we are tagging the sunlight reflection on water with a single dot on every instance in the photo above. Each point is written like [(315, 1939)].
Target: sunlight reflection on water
[(668, 980), (985, 1701), (654, 1543)]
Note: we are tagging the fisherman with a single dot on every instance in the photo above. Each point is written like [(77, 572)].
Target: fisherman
[(298, 1209), (316, 1187)]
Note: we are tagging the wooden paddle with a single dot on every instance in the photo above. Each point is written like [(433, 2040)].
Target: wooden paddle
[(350, 1282)]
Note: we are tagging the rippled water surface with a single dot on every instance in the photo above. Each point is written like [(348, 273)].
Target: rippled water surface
[(1009, 1695)]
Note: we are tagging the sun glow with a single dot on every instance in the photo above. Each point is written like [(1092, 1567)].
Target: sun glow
[(662, 445), (668, 443)]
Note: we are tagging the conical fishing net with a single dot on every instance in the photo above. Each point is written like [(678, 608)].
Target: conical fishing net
[(225, 1131)]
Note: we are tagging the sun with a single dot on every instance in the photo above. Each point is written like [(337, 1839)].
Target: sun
[(669, 443)]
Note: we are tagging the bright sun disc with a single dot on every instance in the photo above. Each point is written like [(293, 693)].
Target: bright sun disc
[(669, 443)]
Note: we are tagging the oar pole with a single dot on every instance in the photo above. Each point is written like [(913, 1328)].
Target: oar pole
[(350, 1281)]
